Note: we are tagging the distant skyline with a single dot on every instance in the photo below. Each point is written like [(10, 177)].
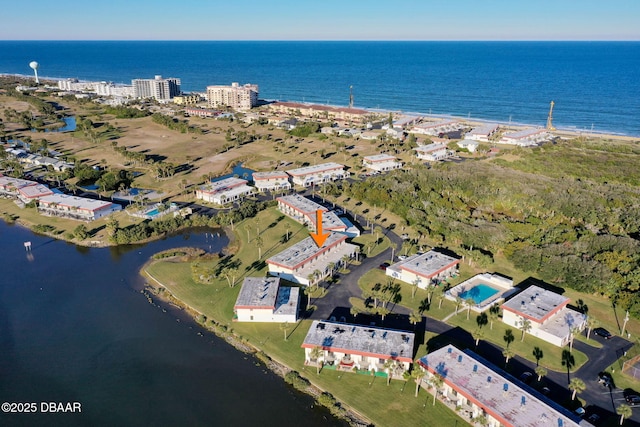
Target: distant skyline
[(326, 20)]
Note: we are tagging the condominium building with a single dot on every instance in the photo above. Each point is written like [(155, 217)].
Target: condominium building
[(190, 99), (305, 259), (224, 191), (482, 133), (480, 391), (323, 112), (381, 162), (235, 96), (547, 312), (262, 299), (353, 348), (433, 152), (304, 211), (73, 207), (318, 174), (157, 88), (436, 128), (271, 181), (526, 137), (421, 269)]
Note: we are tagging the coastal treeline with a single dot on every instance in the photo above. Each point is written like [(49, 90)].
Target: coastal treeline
[(541, 209)]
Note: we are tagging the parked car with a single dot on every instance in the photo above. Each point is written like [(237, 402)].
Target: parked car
[(383, 266), (632, 399), (605, 379), (546, 391), (526, 377), (580, 411), (603, 333), (593, 418)]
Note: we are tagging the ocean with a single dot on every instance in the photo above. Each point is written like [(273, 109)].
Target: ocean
[(595, 85)]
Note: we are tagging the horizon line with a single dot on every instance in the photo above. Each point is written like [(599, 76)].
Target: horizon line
[(334, 40)]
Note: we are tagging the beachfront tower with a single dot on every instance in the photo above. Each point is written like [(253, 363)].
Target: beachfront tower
[(35, 65)]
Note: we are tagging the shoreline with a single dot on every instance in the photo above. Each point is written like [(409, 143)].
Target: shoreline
[(160, 291), (566, 129)]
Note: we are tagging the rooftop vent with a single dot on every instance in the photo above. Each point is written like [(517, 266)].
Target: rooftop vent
[(523, 400), (489, 379), (475, 368), (459, 358), (449, 350), (505, 387)]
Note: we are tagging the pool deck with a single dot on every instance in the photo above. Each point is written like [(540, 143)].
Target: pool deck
[(503, 286)]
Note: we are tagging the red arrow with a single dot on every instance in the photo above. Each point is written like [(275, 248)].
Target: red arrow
[(318, 236)]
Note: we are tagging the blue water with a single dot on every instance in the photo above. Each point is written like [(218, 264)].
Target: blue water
[(238, 170), (479, 293), (593, 83)]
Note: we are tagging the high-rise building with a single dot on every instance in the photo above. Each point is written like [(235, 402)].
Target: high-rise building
[(235, 96), (157, 88)]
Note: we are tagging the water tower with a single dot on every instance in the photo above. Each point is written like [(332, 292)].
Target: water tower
[(35, 65)]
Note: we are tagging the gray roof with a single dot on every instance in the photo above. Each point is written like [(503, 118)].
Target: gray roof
[(222, 185), (258, 292), (510, 402), (356, 339), (330, 221), (427, 265), (304, 250), (75, 202), (315, 169), (536, 303)]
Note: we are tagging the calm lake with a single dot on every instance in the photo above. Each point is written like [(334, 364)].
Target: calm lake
[(74, 327)]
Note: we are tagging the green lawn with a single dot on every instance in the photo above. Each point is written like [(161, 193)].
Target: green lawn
[(552, 355), (406, 292)]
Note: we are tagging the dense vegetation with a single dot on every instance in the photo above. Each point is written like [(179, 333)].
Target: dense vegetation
[(574, 222)]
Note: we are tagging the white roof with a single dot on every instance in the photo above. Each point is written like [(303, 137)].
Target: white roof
[(500, 396), (80, 203)]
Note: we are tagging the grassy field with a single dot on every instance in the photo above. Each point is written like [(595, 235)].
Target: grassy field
[(552, 355)]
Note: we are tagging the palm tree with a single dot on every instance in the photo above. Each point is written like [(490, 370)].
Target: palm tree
[(508, 337), (415, 318), (624, 411), (592, 323), (230, 274), (538, 354), (259, 244), (469, 302), (394, 246), (417, 374), (284, 327), (525, 326), (508, 354), (458, 302), (315, 354), (493, 315), (540, 372), (390, 365), (572, 334), (477, 335), (287, 227), (437, 381), (345, 260), (317, 274), (414, 286), (576, 386), (568, 361)]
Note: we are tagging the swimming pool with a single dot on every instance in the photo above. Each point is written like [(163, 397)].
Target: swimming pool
[(479, 293)]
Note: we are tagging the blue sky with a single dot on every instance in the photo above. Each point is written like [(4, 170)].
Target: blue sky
[(321, 20)]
